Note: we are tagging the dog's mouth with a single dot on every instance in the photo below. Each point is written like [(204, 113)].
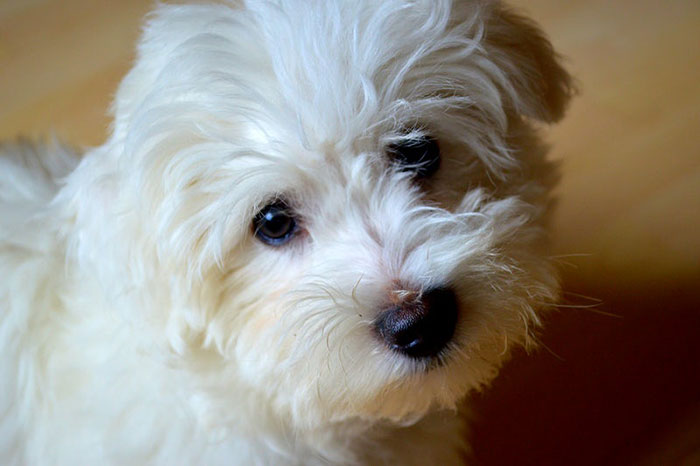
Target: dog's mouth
[(439, 361)]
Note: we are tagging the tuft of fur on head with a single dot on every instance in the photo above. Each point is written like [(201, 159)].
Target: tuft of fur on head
[(229, 108)]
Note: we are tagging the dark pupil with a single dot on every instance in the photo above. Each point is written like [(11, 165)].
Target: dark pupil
[(421, 155), (274, 224)]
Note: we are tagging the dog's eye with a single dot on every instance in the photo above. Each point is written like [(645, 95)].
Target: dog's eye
[(274, 224), (421, 155)]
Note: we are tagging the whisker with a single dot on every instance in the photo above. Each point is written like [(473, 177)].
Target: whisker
[(583, 296), (590, 307), (354, 290), (558, 258), (576, 306), (549, 350), (567, 264)]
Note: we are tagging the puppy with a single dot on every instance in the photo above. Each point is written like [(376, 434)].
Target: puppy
[(315, 227)]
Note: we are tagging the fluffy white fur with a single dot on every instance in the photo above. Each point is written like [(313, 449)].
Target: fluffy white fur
[(141, 322)]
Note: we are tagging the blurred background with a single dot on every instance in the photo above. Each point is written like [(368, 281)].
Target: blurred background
[(617, 379)]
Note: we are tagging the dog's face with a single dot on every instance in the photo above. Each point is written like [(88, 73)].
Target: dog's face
[(338, 205)]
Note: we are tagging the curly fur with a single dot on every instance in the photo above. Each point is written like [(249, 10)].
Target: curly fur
[(142, 323)]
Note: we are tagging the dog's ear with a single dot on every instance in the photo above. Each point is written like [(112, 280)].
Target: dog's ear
[(538, 86)]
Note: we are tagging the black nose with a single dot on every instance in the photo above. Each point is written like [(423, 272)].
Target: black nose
[(420, 329)]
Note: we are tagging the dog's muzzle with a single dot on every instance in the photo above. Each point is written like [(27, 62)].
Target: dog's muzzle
[(420, 328)]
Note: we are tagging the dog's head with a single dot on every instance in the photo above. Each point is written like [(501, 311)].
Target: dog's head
[(334, 207)]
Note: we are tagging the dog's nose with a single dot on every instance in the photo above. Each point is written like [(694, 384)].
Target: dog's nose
[(422, 328)]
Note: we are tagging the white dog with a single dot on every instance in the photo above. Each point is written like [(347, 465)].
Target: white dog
[(315, 227)]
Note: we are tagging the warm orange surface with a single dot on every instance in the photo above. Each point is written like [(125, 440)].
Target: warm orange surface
[(629, 211)]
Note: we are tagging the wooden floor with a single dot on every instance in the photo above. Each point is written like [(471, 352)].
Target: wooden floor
[(620, 390)]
